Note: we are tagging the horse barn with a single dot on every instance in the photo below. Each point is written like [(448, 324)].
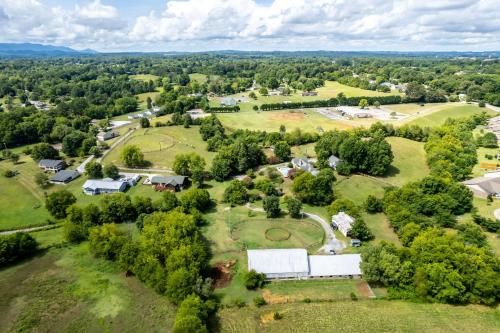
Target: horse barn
[(297, 264)]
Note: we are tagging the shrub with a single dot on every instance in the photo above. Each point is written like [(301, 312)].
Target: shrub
[(259, 301), (373, 204), (481, 104), (277, 316), (57, 203), (353, 296), (15, 247), (9, 173), (254, 280)]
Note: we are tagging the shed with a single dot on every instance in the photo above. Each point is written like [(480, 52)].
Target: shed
[(279, 263)]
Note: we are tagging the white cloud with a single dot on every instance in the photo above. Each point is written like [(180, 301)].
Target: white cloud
[(247, 24)]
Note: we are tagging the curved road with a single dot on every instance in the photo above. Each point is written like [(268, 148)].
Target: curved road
[(332, 243)]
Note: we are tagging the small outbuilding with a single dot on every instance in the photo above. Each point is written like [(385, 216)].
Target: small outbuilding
[(64, 176), (343, 222), (103, 136), (333, 161), (279, 263)]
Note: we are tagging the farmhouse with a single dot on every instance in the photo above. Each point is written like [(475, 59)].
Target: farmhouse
[(52, 165), (228, 101), (333, 161), (95, 187), (64, 176), (342, 222), (103, 136), (296, 264), (171, 183), (484, 186), (284, 171), (303, 163)]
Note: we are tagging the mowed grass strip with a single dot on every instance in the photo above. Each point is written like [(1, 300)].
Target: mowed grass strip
[(361, 316), (437, 116), (333, 88)]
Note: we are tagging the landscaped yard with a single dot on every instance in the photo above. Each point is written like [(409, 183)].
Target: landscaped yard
[(361, 316), (161, 144)]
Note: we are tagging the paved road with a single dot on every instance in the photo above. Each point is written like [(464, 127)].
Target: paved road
[(332, 243), (117, 142), (81, 167)]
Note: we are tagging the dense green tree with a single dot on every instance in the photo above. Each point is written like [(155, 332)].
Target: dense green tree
[(93, 170), (360, 230), (16, 246), (132, 156), (254, 280), (42, 180), (294, 207), (111, 171), (144, 122), (196, 198), (282, 151), (271, 205), (57, 203), (42, 151), (117, 208), (236, 193), (315, 190), (106, 241)]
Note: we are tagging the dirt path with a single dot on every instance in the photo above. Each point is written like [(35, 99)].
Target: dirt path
[(10, 232), (114, 145), (332, 243)]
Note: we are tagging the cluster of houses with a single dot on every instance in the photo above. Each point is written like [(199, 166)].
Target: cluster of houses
[(399, 87), (57, 167), (307, 165), (297, 264)]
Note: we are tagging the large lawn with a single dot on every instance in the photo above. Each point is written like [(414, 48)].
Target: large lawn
[(409, 162), (67, 290), (332, 88), (436, 116), (161, 144), (361, 316), (200, 78), (144, 77)]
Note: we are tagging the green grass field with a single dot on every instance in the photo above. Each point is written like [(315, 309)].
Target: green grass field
[(200, 78), (358, 187), (361, 316), (66, 290), (144, 77), (409, 162), (161, 144), (437, 116), (333, 88)]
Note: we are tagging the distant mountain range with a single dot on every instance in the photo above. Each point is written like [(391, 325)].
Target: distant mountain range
[(39, 50), (29, 50)]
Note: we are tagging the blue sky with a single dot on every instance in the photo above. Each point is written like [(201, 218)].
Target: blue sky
[(200, 25)]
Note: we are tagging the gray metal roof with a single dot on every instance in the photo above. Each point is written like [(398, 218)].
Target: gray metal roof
[(168, 180), (488, 184), (50, 163), (276, 261), (333, 159), (65, 175), (94, 184), (336, 265)]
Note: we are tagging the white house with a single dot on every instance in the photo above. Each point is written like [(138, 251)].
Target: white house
[(228, 101), (304, 164), (342, 222), (95, 187), (103, 136)]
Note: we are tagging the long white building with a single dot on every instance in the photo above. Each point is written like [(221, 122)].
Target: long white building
[(296, 264)]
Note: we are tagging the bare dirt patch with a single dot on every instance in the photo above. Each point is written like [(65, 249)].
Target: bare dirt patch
[(287, 116), (364, 290), (221, 273), (277, 299)]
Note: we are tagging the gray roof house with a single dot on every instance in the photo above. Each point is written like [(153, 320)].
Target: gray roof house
[(304, 164), (52, 165), (333, 161), (64, 176), (228, 101), (342, 222), (296, 264), (178, 182), (484, 186), (95, 186)]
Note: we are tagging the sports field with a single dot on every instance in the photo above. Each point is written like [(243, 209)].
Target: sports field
[(161, 144)]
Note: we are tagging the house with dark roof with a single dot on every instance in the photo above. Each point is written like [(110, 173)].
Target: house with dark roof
[(51, 165), (172, 183), (64, 176)]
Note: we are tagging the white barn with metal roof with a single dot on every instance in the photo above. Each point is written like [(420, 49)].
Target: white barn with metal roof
[(279, 263), (296, 264)]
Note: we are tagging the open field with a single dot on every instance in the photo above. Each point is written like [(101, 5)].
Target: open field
[(409, 162), (200, 78), (144, 77), (361, 316), (358, 187), (332, 88), (437, 116), (66, 290), (305, 119), (381, 228), (161, 144)]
